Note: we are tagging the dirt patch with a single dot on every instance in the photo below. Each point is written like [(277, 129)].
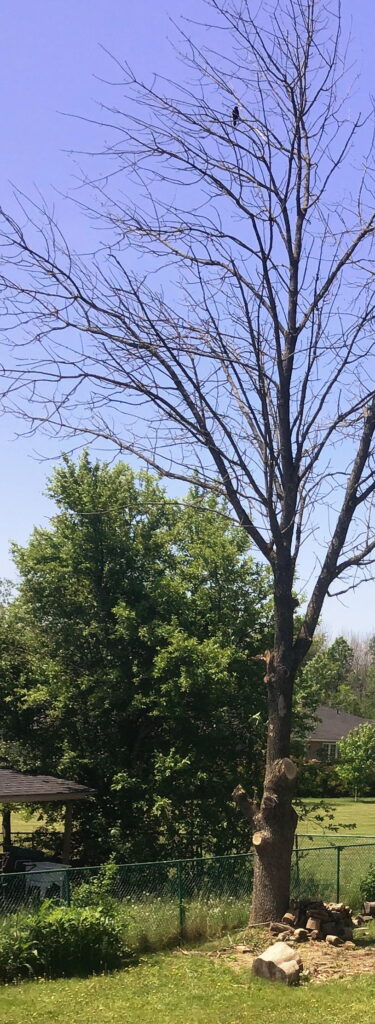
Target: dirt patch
[(321, 962)]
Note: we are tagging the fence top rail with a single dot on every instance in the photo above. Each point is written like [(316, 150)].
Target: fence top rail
[(335, 835), (130, 864), (172, 863)]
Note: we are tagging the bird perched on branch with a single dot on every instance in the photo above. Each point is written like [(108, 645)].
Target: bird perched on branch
[(235, 116)]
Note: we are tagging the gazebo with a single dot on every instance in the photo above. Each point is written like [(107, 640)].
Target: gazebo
[(19, 788)]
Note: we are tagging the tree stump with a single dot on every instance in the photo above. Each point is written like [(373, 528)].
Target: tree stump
[(278, 963)]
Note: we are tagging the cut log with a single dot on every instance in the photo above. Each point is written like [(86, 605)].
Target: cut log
[(300, 934), (369, 909), (313, 924), (278, 963), (289, 919), (334, 940), (328, 928), (278, 928)]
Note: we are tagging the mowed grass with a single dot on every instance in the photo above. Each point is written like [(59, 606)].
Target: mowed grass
[(361, 814), (21, 822), (175, 989), (318, 867)]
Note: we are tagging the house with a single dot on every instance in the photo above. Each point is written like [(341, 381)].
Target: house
[(331, 727)]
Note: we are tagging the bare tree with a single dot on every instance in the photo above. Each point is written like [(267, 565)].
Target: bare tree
[(223, 330)]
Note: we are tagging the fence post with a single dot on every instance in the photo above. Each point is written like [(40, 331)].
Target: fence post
[(338, 858), (66, 888), (181, 908), (297, 861)]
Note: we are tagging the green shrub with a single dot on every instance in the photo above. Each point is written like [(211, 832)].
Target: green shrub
[(61, 942), (367, 885), (101, 888), (316, 779)]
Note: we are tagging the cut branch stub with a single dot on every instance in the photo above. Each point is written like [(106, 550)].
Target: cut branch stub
[(283, 772), (261, 839), (247, 807)]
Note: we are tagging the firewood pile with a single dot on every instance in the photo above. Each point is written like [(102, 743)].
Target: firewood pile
[(309, 919)]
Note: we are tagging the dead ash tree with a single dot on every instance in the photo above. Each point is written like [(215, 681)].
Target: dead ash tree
[(223, 331)]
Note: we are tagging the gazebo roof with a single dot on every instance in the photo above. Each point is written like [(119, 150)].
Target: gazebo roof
[(19, 788)]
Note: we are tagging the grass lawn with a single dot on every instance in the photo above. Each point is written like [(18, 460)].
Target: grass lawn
[(173, 989), (21, 823), (347, 812), (318, 867)]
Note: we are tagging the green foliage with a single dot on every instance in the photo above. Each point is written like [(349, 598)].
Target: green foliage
[(315, 779), (126, 662), (100, 889), (325, 679), (367, 885), (356, 765), (61, 942)]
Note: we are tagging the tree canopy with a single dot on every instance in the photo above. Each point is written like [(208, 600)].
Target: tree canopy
[(126, 661), (357, 759)]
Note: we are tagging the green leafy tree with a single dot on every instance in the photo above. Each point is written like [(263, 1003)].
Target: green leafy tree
[(326, 678), (139, 622), (357, 759)]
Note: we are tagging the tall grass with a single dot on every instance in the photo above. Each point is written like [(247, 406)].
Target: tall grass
[(156, 924)]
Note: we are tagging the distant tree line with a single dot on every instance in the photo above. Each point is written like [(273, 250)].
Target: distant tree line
[(341, 675)]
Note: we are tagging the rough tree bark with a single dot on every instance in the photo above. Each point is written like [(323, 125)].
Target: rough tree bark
[(273, 824)]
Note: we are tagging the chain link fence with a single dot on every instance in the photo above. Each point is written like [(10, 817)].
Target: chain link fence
[(169, 901)]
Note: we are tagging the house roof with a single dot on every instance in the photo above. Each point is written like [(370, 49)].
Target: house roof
[(334, 725), (18, 787)]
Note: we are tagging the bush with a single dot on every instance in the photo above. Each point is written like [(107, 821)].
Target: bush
[(319, 780), (61, 942), (367, 885), (99, 888)]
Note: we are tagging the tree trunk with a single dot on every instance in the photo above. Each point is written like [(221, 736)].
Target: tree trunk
[(273, 839), (274, 821)]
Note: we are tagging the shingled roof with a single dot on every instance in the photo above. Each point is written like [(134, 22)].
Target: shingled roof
[(18, 787), (334, 725)]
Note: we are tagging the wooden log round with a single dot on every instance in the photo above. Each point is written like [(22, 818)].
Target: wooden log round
[(369, 909), (278, 963)]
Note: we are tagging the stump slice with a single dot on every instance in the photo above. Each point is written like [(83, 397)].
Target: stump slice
[(278, 963)]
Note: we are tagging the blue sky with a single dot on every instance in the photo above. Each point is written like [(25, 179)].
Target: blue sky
[(50, 53)]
